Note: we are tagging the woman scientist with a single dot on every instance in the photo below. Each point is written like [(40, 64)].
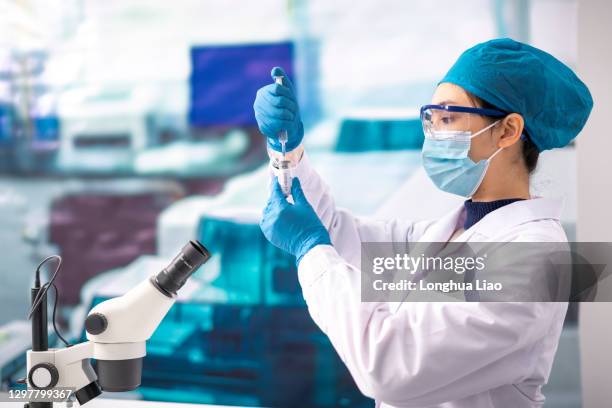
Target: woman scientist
[(500, 104)]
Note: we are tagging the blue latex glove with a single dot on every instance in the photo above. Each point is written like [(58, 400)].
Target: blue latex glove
[(276, 109), (294, 228)]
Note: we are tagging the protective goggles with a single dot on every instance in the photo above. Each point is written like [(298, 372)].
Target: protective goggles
[(441, 119)]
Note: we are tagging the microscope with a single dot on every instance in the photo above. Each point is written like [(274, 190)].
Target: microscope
[(117, 331)]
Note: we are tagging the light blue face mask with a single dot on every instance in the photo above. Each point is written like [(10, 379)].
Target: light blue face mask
[(446, 161)]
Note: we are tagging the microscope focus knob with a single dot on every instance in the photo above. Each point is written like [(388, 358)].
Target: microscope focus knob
[(96, 323), (43, 376)]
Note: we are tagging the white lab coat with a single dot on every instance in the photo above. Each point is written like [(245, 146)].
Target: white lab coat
[(428, 354)]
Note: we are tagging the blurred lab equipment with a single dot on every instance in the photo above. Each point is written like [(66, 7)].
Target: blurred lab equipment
[(133, 128), (7, 115), (380, 129), (7, 123), (105, 225), (103, 128), (37, 128), (222, 152), (15, 340), (224, 79), (117, 331)]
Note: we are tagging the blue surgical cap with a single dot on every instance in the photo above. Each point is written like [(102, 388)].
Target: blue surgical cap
[(516, 77)]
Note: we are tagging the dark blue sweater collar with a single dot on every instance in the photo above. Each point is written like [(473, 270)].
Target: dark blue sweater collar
[(476, 210)]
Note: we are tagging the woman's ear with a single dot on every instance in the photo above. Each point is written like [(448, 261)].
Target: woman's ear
[(512, 128)]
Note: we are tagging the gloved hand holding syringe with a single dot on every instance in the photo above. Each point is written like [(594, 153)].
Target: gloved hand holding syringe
[(278, 117)]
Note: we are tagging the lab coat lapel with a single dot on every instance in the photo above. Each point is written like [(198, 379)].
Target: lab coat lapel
[(493, 226), (436, 236), (432, 241), (503, 219), (441, 230)]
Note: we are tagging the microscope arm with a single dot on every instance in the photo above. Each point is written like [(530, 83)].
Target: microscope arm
[(65, 368)]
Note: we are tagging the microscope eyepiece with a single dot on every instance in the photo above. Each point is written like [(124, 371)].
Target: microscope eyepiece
[(173, 277)]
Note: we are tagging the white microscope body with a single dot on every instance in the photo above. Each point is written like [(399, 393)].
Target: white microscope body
[(117, 331)]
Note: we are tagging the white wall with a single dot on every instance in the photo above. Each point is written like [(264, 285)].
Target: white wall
[(594, 223)]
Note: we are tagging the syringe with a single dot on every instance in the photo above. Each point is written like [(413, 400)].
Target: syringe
[(282, 135), (284, 173)]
